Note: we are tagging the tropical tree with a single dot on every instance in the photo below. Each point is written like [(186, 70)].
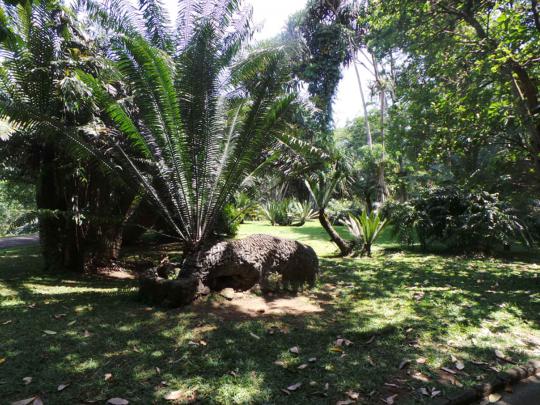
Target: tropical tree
[(80, 210), (201, 115), (322, 189)]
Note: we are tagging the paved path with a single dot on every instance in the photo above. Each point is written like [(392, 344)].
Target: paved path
[(526, 392), (14, 241)]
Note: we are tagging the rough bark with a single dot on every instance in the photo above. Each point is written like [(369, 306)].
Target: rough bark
[(237, 264), (344, 247)]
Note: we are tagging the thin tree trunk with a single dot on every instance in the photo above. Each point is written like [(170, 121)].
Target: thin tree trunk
[(344, 247), (364, 106)]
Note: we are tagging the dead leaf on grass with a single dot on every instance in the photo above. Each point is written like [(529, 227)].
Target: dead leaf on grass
[(404, 363), (448, 370), (254, 336), (174, 395), (390, 400), (494, 398), (27, 380), (345, 402), (62, 387), (302, 366), (294, 387), (118, 401), (312, 359), (353, 395), (370, 340), (459, 365), (295, 350), (26, 401), (50, 332), (86, 334), (7, 322), (107, 376), (421, 360), (343, 342)]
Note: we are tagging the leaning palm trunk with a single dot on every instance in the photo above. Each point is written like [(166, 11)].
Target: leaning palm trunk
[(344, 247)]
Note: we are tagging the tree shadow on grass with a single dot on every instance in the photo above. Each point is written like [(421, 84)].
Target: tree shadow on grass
[(234, 361)]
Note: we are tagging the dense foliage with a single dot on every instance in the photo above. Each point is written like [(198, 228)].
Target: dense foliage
[(459, 219)]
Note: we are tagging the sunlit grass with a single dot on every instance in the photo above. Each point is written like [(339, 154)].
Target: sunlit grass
[(398, 305)]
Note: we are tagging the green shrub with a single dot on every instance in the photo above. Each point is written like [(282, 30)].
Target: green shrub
[(365, 230), (462, 220), (277, 212)]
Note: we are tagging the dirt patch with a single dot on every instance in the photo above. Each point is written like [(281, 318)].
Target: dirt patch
[(249, 305), (116, 273)]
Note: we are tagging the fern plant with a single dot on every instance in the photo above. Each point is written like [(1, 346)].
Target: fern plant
[(365, 230)]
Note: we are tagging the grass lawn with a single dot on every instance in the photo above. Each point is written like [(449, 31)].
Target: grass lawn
[(432, 310)]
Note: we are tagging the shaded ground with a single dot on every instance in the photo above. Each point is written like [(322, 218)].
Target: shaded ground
[(14, 241), (430, 309), (527, 392)]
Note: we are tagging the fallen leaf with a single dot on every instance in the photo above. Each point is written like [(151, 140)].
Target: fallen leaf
[(345, 402), (390, 400), (448, 370), (2, 360), (87, 334), (404, 363), (460, 365), (107, 376), (203, 343), (294, 387), (326, 386), (192, 343), (118, 401), (312, 359), (71, 323), (336, 350), (434, 393), (174, 395), (391, 385), (158, 370), (494, 398), (424, 391), (59, 316), (302, 366), (343, 342), (49, 332), (370, 340), (7, 322), (353, 395), (62, 387), (280, 363), (421, 360), (27, 380), (295, 350), (24, 401), (254, 336), (312, 383), (285, 391)]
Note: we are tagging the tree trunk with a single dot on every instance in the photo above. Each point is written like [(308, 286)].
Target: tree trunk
[(237, 264), (58, 234), (344, 247)]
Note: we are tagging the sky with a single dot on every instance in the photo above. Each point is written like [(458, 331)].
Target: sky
[(271, 16)]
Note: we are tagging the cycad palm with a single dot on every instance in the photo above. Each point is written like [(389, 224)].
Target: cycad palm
[(201, 117)]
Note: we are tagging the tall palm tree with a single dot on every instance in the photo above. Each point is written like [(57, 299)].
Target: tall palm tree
[(203, 107)]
